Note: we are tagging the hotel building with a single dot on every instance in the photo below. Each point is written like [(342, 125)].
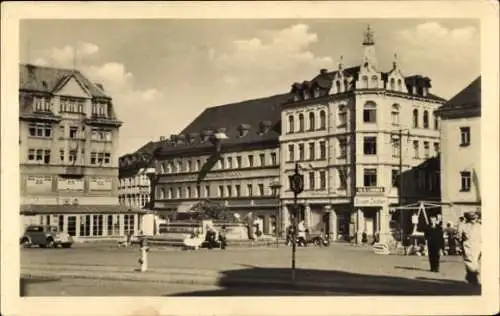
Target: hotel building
[(461, 152), (350, 130), (68, 133)]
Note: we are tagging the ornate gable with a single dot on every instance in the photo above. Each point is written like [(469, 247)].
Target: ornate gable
[(71, 87)]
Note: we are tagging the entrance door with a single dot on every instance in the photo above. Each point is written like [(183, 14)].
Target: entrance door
[(72, 225)]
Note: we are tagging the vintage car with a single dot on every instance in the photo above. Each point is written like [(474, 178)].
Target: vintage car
[(45, 236)]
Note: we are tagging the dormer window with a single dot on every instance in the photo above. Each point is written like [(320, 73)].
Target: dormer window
[(243, 130), (374, 82), (264, 127), (400, 85), (206, 134), (337, 84), (316, 92), (365, 82), (393, 84), (305, 93)]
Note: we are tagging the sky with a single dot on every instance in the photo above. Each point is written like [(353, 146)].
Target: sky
[(162, 73)]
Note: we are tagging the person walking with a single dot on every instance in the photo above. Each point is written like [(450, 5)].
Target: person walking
[(435, 243), (471, 246)]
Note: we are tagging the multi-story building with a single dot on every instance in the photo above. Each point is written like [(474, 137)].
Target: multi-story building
[(134, 186), (237, 169), (351, 130), (461, 152), (68, 132)]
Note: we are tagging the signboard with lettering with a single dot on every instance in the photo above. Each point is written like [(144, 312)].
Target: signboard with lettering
[(209, 176), (70, 184), (370, 190), (39, 183), (367, 201), (101, 184)]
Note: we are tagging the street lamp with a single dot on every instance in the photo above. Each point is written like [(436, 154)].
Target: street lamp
[(275, 187), (296, 186)]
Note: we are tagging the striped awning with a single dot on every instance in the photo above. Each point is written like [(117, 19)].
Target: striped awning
[(33, 209)]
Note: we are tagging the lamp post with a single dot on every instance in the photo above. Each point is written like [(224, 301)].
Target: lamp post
[(275, 187), (296, 186)]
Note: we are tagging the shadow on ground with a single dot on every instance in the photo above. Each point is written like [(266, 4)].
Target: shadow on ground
[(339, 283), (25, 282)]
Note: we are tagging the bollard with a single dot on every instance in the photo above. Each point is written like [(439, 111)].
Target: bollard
[(143, 260)]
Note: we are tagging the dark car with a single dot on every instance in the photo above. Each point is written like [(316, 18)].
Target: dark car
[(45, 236)]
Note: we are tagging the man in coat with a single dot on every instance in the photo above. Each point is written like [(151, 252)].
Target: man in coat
[(435, 243), (471, 244)]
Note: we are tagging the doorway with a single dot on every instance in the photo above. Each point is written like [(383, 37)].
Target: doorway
[(72, 225)]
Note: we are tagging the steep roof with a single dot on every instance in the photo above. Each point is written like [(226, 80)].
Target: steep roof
[(47, 79), (466, 103), (250, 115), (130, 164)]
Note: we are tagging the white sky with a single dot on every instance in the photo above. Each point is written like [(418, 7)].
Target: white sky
[(163, 73)]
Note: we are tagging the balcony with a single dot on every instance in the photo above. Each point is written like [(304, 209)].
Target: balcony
[(97, 120), (370, 190)]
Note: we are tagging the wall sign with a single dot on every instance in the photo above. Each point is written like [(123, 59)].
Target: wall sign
[(209, 176), (70, 184), (100, 184), (362, 201), (39, 183)]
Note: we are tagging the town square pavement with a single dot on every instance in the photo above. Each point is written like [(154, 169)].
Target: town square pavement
[(105, 269)]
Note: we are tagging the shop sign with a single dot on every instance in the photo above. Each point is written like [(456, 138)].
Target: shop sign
[(70, 184), (367, 201), (101, 184)]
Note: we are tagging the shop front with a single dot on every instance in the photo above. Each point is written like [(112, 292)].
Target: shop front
[(371, 217)]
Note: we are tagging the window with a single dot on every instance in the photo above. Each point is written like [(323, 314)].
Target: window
[(436, 148), (312, 178), (31, 154), (370, 113), (301, 122), (198, 164), (322, 120), (395, 178), (250, 160), (249, 190), (73, 132), (207, 191), (198, 191), (342, 147), (426, 150), (370, 145), (291, 152), (322, 150), (40, 130), (415, 118), (415, 149), (395, 147), (465, 181), (107, 158), (393, 84), (73, 156), (238, 190), (230, 162), (221, 191), (301, 152), (39, 154), (71, 105), (97, 225), (261, 189), (312, 148), (273, 159), (229, 191), (60, 223), (129, 224), (238, 162), (365, 82), (436, 121), (312, 121), (170, 193), (400, 85), (46, 156), (395, 114), (337, 84), (61, 155), (85, 225), (262, 158), (291, 124), (188, 165), (188, 192), (370, 177), (426, 119), (42, 104), (322, 180), (374, 82), (179, 193), (342, 179), (464, 136), (179, 166), (342, 115), (109, 224)]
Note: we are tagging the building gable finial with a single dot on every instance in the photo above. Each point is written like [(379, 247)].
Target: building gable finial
[(395, 62), (368, 39), (341, 63)]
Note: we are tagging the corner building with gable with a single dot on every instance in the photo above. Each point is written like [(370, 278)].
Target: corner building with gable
[(343, 127)]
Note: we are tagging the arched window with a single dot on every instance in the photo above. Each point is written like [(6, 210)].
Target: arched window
[(312, 122), (400, 85), (337, 83), (426, 119), (370, 112), (415, 118), (374, 82), (365, 82), (395, 114), (322, 120), (436, 121), (346, 85), (301, 122), (162, 193), (291, 124), (393, 84)]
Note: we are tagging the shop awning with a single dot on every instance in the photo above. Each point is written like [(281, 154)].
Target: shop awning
[(32, 209)]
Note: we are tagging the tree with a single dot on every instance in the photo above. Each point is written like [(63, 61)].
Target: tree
[(210, 210)]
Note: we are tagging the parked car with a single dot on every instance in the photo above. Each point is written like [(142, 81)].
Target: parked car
[(45, 236)]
